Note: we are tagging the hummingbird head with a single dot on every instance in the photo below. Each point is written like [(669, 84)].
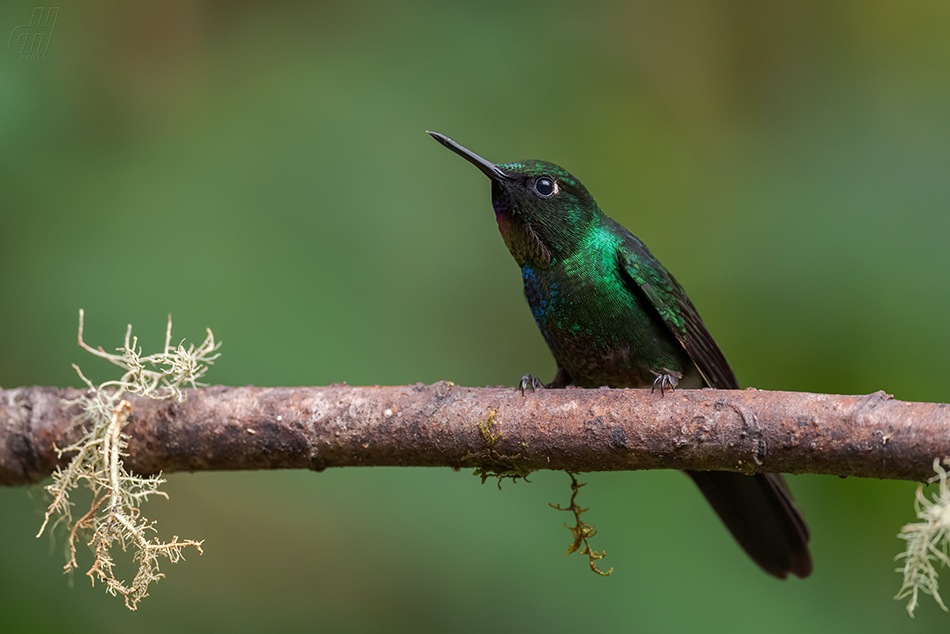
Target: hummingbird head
[(543, 212)]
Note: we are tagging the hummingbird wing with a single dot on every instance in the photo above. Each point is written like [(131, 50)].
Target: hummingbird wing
[(645, 274), (758, 510)]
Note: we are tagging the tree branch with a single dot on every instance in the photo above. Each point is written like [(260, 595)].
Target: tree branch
[(438, 426)]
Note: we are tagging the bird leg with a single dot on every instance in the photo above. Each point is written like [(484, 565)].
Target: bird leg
[(531, 381), (666, 378), (561, 379)]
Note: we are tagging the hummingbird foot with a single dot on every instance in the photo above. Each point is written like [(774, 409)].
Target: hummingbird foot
[(561, 379), (666, 378), (530, 381)]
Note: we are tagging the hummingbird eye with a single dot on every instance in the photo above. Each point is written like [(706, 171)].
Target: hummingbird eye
[(545, 187)]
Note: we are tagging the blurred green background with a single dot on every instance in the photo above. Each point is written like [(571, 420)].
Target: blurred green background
[(263, 169)]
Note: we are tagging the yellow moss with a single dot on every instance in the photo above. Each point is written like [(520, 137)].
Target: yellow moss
[(490, 462), (581, 530)]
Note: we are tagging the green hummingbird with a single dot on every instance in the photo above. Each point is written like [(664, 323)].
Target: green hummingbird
[(613, 316)]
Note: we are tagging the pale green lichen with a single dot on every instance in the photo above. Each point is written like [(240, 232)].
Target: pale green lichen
[(928, 542), (96, 464)]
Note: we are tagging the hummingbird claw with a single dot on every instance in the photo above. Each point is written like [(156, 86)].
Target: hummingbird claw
[(665, 379), (530, 381)]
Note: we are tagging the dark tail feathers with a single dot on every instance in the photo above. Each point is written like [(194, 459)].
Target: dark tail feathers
[(760, 513)]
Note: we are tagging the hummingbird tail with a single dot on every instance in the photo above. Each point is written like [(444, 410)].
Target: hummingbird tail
[(759, 512)]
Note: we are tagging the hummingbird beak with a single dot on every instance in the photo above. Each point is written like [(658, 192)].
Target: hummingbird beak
[(488, 168)]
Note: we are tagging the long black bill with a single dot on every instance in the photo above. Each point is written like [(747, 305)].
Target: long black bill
[(488, 168)]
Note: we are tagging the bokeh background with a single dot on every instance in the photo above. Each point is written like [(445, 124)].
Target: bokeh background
[(263, 169)]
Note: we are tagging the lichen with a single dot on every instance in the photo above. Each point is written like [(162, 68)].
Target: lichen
[(928, 542), (96, 464)]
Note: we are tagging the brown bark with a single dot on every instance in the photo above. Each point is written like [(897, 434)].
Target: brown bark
[(438, 426)]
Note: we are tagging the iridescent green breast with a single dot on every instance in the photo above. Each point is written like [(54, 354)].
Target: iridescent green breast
[(600, 330)]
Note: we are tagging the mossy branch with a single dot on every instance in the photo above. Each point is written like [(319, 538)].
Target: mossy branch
[(573, 429), (117, 441)]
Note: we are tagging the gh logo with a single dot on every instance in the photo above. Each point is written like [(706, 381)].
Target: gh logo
[(31, 41)]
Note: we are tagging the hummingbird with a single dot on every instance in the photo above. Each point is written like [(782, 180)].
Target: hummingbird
[(613, 316)]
